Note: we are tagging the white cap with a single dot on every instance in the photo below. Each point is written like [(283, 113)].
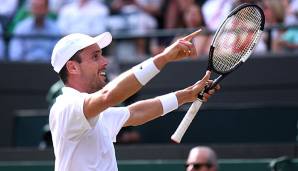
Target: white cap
[(71, 44)]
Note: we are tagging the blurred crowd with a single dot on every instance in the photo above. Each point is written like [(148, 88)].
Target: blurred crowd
[(30, 28)]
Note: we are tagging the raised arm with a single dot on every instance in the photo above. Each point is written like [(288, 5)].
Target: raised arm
[(132, 80)]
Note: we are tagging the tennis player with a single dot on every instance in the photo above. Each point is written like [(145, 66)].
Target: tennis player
[(83, 121)]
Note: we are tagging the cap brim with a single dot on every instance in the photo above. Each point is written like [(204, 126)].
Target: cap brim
[(103, 40)]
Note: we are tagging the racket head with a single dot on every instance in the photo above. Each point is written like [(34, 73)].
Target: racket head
[(236, 38)]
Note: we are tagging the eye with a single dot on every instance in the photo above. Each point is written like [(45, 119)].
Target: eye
[(95, 57)]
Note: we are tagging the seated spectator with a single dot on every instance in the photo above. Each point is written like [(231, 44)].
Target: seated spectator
[(37, 47), (215, 11), (292, 13), (289, 39), (2, 45), (137, 17), (22, 13), (137, 14), (192, 18), (275, 12), (174, 13), (83, 16), (201, 158)]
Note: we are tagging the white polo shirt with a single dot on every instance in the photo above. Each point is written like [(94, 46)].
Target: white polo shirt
[(81, 144)]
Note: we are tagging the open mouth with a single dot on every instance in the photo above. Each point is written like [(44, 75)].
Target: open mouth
[(103, 73)]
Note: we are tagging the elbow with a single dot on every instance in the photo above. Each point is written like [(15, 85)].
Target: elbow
[(136, 118)]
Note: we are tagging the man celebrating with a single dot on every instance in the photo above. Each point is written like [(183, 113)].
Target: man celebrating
[(83, 121)]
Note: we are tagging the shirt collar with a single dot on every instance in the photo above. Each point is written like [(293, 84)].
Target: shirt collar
[(69, 90)]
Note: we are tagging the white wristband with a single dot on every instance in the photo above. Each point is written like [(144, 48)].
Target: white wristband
[(169, 102), (145, 71)]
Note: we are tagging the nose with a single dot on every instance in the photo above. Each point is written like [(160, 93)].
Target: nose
[(104, 61)]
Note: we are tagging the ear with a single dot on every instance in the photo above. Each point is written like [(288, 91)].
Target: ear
[(72, 67)]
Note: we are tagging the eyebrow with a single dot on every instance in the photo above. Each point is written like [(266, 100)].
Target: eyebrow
[(95, 52)]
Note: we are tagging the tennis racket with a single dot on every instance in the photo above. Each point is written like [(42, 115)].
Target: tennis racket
[(232, 44)]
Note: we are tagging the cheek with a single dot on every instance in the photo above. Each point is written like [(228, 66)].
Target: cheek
[(89, 71)]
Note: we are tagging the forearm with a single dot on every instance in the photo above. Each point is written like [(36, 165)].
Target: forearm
[(147, 110), (128, 84)]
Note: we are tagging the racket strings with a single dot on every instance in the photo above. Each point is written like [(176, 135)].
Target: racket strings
[(234, 39)]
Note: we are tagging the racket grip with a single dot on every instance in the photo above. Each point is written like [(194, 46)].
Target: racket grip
[(191, 113)]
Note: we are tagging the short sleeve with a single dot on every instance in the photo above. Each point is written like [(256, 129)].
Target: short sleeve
[(114, 118), (72, 121)]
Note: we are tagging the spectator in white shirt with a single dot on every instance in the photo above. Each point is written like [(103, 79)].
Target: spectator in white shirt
[(83, 16)]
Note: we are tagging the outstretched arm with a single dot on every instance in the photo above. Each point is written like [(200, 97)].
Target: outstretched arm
[(132, 80), (146, 110)]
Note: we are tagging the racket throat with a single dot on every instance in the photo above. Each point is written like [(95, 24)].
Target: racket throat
[(216, 81)]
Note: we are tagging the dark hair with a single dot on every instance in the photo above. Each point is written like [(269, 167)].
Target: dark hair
[(63, 72)]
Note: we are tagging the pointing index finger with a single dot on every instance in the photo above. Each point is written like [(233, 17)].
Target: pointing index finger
[(192, 35)]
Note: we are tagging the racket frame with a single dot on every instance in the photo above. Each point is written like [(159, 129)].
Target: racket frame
[(192, 111)]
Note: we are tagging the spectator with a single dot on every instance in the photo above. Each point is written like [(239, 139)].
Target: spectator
[(292, 13), (289, 39), (83, 16), (192, 18), (215, 11), (22, 13), (201, 158), (136, 16), (34, 48), (175, 11), (275, 12)]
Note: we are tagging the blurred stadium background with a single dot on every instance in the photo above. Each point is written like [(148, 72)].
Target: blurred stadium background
[(252, 123)]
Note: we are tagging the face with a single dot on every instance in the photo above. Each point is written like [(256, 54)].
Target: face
[(192, 17), (92, 69), (39, 8), (184, 4), (199, 160)]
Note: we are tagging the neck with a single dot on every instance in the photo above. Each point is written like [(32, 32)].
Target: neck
[(77, 84)]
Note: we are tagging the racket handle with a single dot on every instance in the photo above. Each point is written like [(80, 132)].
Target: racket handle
[(189, 116)]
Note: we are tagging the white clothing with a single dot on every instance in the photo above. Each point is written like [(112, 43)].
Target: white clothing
[(8, 7), (292, 19), (215, 11), (81, 144), (2, 45), (91, 18)]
